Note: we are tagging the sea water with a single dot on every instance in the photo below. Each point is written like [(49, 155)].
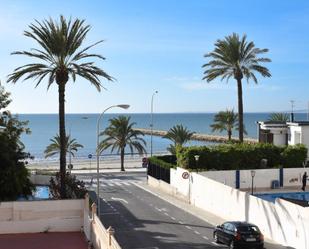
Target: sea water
[(83, 128)]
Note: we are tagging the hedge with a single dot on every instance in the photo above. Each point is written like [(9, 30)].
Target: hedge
[(241, 156), (167, 161)]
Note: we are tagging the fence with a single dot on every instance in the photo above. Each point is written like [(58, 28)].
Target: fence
[(158, 172)]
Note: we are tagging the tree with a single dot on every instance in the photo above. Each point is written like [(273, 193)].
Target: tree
[(14, 176), (54, 148), (235, 57), (225, 121), (179, 135), (119, 134), (280, 117), (60, 57)]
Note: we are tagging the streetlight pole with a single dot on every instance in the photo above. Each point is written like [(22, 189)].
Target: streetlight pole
[(98, 152), (151, 125), (252, 175)]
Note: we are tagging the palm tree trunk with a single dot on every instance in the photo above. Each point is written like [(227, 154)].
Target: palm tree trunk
[(229, 133), (122, 159), (61, 90), (240, 111)]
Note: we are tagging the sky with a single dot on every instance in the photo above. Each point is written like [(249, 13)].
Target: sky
[(159, 45)]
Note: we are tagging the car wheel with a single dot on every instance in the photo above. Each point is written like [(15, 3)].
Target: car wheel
[(216, 238), (232, 246)]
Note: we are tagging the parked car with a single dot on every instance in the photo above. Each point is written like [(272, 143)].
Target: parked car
[(237, 234)]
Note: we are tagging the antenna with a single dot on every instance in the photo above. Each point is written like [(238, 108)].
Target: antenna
[(292, 111), (308, 111), (292, 105)]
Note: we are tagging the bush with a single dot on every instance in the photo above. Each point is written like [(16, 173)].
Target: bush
[(294, 156), (75, 189), (167, 161), (240, 156)]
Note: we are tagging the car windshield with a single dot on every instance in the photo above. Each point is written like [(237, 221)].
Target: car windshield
[(248, 229)]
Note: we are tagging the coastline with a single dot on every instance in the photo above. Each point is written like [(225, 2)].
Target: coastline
[(86, 164)]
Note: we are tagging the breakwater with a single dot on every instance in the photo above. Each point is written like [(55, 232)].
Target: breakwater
[(197, 136)]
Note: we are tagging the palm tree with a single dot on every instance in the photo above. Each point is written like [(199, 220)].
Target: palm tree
[(280, 117), (71, 146), (60, 56), (235, 57), (225, 121), (179, 135), (120, 134)]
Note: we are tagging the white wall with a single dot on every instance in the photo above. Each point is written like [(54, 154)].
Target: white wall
[(283, 222), (40, 179), (227, 177), (262, 179), (40, 216)]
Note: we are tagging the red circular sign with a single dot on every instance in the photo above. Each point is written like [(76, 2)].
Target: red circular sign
[(185, 175)]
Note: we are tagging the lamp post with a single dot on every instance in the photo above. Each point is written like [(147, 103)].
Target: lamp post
[(252, 175), (98, 153), (151, 125), (197, 157)]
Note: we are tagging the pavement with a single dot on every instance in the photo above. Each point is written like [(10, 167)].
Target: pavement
[(145, 217)]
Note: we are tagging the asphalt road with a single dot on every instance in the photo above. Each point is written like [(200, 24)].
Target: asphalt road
[(143, 221)]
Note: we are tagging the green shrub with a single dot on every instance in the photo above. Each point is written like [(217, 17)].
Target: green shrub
[(167, 161), (240, 156), (294, 156)]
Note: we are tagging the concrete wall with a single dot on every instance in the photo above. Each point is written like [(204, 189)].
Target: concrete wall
[(41, 216), (282, 221), (40, 179), (100, 237), (262, 179), (226, 177)]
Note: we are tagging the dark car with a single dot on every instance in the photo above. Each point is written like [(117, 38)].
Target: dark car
[(239, 235)]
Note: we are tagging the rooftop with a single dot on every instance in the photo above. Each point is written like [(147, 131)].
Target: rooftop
[(65, 240)]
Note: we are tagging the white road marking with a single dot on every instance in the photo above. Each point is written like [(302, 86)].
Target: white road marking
[(118, 183), (196, 232), (109, 213), (166, 214), (216, 244), (119, 199), (205, 237), (110, 184), (190, 228), (173, 218), (126, 183), (180, 222), (158, 209)]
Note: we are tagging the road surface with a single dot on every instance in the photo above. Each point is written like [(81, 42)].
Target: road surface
[(143, 221)]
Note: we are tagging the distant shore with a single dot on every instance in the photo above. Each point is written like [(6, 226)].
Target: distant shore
[(197, 136), (86, 164)]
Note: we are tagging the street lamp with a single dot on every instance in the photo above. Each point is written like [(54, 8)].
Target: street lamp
[(197, 157), (151, 125), (97, 150), (252, 175)]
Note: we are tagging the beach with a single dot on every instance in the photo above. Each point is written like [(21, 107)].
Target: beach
[(87, 165)]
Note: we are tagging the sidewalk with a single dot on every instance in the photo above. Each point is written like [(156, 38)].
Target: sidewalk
[(186, 206)]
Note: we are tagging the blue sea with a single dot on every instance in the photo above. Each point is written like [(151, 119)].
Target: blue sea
[(83, 128)]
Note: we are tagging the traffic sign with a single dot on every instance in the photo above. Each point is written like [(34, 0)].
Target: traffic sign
[(90, 156), (185, 175)]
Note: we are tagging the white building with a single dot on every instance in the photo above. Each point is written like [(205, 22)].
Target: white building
[(284, 133)]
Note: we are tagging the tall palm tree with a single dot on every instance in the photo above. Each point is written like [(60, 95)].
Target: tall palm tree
[(225, 121), (235, 57), (71, 146), (119, 134), (281, 117), (60, 56), (179, 135)]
